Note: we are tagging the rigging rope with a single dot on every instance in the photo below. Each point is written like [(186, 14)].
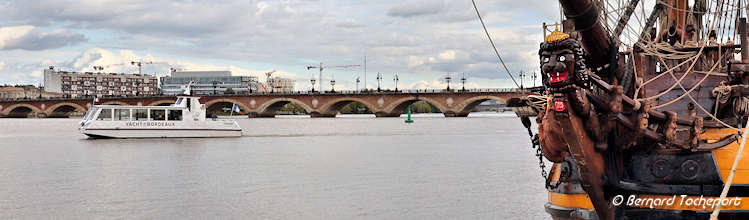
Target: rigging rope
[(697, 103), (493, 46), (690, 90), (682, 77), (724, 193)]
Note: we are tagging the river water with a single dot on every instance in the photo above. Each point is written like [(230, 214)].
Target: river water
[(479, 167)]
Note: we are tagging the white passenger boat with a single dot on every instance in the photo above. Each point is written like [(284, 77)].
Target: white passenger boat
[(185, 118)]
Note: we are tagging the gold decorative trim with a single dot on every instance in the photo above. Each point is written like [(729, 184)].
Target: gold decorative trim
[(556, 36)]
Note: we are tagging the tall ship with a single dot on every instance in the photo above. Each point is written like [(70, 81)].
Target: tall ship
[(642, 110)]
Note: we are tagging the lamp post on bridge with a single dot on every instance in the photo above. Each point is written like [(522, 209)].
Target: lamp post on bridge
[(312, 81), (395, 78), (357, 83), (332, 84), (379, 80), (448, 78), (463, 80)]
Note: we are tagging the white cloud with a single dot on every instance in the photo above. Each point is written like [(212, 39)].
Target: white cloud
[(28, 37), (350, 23), (2, 65), (417, 8), (419, 39), (448, 55)]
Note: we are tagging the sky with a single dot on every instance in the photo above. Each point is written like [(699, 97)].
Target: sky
[(420, 40)]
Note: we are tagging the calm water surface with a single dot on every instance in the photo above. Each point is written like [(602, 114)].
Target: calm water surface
[(283, 168)]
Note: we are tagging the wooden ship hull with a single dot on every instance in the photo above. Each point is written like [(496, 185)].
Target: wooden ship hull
[(649, 129)]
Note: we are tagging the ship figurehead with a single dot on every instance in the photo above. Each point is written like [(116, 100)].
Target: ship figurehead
[(570, 127), (562, 61)]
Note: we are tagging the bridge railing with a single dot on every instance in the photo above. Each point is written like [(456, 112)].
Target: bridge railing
[(389, 91), (370, 91)]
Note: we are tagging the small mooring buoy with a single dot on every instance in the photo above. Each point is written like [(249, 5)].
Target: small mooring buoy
[(408, 120)]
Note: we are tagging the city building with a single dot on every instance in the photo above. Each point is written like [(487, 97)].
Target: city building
[(208, 82), (12, 93), (24, 92), (82, 84), (281, 85)]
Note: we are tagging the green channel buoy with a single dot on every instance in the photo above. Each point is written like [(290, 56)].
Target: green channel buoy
[(409, 116)]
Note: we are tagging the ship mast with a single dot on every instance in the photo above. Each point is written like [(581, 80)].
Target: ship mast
[(595, 40)]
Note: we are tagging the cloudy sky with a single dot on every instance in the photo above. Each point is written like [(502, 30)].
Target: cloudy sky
[(421, 40)]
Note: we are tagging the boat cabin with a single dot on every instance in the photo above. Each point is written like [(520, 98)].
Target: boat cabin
[(185, 108)]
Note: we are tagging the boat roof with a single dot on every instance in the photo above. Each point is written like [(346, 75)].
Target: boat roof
[(140, 107), (187, 96)]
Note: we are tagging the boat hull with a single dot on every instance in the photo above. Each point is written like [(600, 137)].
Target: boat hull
[(161, 133), (569, 200), (161, 129)]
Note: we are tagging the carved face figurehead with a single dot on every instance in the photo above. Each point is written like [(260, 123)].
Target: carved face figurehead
[(557, 66), (562, 61)]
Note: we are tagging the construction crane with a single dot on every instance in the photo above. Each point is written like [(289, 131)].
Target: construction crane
[(141, 63), (101, 68), (321, 67)]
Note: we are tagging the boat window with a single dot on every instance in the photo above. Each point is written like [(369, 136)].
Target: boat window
[(122, 114), (105, 115), (175, 115), (140, 114), (157, 114), (90, 113)]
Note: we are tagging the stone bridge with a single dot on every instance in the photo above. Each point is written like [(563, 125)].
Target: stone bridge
[(382, 104)]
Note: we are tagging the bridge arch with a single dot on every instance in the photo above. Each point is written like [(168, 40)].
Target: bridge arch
[(332, 108), (63, 109), (271, 107), (162, 102), (465, 108), (210, 104), (397, 107), (20, 110)]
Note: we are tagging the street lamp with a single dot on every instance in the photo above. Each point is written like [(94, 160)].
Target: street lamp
[(312, 81), (395, 78), (357, 83), (447, 79), (463, 80), (332, 85), (379, 79)]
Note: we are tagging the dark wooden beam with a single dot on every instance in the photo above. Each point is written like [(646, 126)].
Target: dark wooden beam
[(625, 18), (657, 10)]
